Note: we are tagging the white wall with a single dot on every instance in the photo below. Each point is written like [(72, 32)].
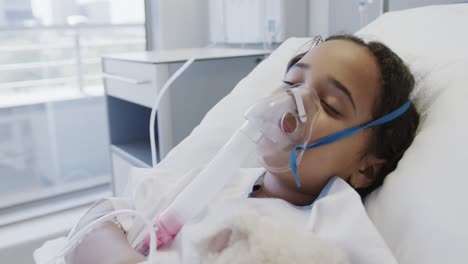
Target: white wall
[(344, 14), (296, 18), (186, 23), (401, 4), (179, 23), (318, 18)]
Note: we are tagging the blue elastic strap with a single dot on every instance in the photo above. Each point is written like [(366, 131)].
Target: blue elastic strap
[(343, 134)]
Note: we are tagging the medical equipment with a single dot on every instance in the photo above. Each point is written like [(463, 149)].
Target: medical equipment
[(201, 190), (287, 120), (266, 126), (362, 7)]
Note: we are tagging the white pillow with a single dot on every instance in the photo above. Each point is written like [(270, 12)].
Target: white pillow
[(436, 31), (421, 209)]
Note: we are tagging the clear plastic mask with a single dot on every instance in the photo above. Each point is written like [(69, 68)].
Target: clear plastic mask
[(286, 121)]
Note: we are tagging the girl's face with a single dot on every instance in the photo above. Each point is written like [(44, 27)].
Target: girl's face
[(346, 78)]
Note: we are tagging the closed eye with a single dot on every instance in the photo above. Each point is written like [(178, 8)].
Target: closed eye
[(329, 109)]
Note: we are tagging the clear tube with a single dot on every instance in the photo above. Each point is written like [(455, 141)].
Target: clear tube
[(77, 238), (155, 107), (263, 131), (201, 190), (197, 195), (362, 7)]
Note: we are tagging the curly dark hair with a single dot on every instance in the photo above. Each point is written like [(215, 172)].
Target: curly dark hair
[(390, 140)]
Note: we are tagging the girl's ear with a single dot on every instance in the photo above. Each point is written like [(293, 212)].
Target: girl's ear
[(367, 172)]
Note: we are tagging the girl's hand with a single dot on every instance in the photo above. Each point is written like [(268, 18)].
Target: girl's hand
[(107, 244)]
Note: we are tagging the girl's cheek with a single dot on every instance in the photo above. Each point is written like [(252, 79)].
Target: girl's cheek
[(323, 127)]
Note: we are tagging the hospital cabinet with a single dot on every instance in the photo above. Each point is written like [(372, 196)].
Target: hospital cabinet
[(132, 83)]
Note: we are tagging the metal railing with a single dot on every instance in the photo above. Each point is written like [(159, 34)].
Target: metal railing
[(39, 62), (63, 57)]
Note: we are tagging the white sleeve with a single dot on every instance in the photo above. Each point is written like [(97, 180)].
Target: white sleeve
[(148, 192)]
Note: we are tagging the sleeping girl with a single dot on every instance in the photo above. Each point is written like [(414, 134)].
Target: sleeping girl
[(305, 203)]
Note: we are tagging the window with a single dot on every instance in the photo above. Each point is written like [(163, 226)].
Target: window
[(53, 126)]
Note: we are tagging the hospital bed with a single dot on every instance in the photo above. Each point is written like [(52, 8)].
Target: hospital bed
[(421, 210)]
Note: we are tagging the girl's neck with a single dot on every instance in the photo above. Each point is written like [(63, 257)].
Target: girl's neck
[(274, 188)]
